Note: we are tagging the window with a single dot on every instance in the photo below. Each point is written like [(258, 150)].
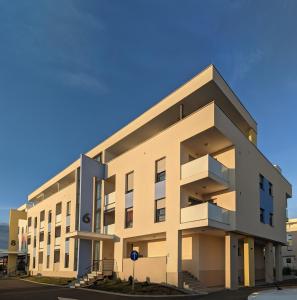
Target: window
[(42, 213), (35, 222), (98, 206), (40, 258), (261, 215), (57, 256), (34, 262), (67, 229), (129, 217), (58, 231), (98, 157), (129, 182), (34, 242), (29, 240), (288, 260), (160, 170), (271, 219), (160, 210), (48, 238), (270, 188), (47, 261), (109, 217), (66, 260), (68, 208), (41, 236), (58, 208), (29, 222), (49, 216), (289, 240), (261, 181)]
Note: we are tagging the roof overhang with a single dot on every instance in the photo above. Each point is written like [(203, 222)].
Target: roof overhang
[(86, 235)]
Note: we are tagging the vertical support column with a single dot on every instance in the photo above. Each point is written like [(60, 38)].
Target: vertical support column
[(269, 262), (173, 268), (249, 261), (231, 253), (119, 250), (278, 263)]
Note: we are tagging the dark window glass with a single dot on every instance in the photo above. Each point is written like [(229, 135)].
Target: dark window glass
[(58, 208), (29, 222), (50, 216), (29, 240), (41, 236), (160, 215), (58, 231), (48, 238), (42, 216), (40, 258), (262, 215), (261, 181), (270, 188), (47, 261), (66, 261), (129, 217), (57, 256)]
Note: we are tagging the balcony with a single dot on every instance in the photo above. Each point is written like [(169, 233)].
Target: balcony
[(108, 229), (205, 175), (109, 200), (206, 214)]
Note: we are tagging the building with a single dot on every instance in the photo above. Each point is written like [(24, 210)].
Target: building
[(290, 250), (17, 239), (184, 184)]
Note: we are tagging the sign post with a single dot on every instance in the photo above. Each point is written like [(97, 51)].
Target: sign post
[(134, 256)]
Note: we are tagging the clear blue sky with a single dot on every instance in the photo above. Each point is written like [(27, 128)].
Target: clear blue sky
[(73, 72)]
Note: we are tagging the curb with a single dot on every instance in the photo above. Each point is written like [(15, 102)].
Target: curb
[(134, 295), (42, 283)]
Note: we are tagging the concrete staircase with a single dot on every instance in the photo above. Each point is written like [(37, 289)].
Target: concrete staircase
[(86, 280), (190, 282)]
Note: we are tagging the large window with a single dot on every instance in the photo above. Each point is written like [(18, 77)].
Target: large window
[(29, 222), (57, 256), (29, 240), (34, 242), (35, 222), (160, 170), (129, 217), (41, 236), (160, 210)]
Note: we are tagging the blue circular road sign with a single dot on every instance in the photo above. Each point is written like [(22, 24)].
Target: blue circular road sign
[(134, 255)]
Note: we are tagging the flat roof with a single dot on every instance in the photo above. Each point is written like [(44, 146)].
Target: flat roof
[(162, 109)]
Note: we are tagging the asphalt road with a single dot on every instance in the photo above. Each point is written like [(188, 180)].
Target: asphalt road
[(14, 289)]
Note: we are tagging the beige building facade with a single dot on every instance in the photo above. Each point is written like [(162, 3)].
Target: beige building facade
[(289, 251), (184, 184)]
